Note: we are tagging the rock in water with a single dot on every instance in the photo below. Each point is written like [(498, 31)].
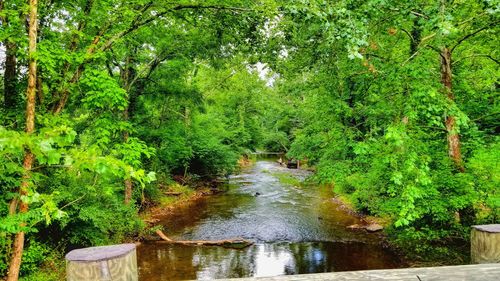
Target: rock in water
[(355, 226), (374, 227)]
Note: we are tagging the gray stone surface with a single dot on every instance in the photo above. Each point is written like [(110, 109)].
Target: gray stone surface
[(482, 272), (374, 227), (101, 253), (492, 228)]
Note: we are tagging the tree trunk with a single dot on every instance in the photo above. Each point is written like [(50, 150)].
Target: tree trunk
[(10, 73), (64, 92), (18, 244), (126, 75), (451, 124), (128, 182), (415, 40), (415, 37), (128, 191), (39, 87)]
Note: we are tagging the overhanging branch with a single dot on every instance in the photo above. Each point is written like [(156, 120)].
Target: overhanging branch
[(479, 55), (461, 40), (211, 7)]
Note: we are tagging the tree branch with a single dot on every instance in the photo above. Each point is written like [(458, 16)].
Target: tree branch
[(134, 25), (478, 55), (436, 49), (410, 58), (375, 56), (484, 116), (151, 66), (211, 7), (472, 34), (427, 38), (419, 15), (472, 18), (409, 34)]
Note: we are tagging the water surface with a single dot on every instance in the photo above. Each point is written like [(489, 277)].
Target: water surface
[(296, 229)]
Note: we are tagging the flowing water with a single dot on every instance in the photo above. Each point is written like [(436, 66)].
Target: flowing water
[(296, 229)]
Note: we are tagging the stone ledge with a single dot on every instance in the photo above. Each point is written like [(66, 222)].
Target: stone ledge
[(480, 272)]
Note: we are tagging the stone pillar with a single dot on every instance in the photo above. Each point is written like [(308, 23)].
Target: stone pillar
[(485, 243), (116, 262)]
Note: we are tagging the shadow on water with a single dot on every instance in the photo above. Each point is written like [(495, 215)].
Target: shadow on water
[(297, 230)]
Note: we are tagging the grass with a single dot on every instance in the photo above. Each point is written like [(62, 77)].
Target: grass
[(181, 192)]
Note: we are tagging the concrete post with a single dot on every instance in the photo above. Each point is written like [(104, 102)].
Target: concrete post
[(485, 243), (116, 262)]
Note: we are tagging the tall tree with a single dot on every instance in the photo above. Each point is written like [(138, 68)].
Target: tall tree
[(10, 72), (18, 244)]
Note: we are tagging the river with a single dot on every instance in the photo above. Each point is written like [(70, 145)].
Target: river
[(296, 230)]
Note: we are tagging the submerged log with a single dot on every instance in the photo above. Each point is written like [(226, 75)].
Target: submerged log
[(238, 243), (485, 243)]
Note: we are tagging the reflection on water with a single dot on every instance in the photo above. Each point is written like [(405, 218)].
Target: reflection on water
[(177, 262), (297, 230)]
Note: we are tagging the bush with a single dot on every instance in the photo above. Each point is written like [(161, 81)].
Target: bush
[(33, 256)]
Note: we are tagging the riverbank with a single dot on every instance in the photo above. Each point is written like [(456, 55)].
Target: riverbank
[(368, 223), (454, 251), (176, 198), (384, 228)]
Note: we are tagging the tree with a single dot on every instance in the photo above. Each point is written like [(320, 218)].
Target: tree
[(18, 244), (373, 113)]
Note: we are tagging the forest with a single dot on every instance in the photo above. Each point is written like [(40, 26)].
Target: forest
[(393, 104)]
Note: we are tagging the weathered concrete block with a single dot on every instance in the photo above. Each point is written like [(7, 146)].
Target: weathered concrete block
[(116, 262), (475, 272), (485, 243)]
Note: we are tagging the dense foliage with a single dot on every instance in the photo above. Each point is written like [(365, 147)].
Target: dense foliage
[(405, 123), (394, 103), (126, 92)]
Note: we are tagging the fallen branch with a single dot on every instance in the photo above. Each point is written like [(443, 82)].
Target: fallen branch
[(163, 236), (238, 243), (172, 193)]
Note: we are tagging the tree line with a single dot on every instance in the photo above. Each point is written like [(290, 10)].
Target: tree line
[(394, 104)]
